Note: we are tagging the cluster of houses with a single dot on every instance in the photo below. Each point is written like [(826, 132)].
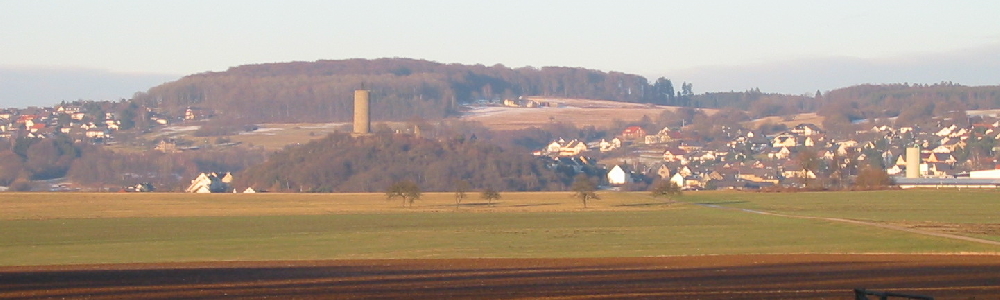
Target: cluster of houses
[(749, 159), (214, 183), (528, 103), (45, 123), (68, 120)]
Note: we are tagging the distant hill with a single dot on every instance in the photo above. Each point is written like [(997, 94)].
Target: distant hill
[(407, 89), (36, 86), (906, 105), (402, 89)]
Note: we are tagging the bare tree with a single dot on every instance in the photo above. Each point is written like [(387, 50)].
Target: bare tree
[(461, 187), (665, 188), (809, 162), (583, 189), (489, 194), (407, 190)]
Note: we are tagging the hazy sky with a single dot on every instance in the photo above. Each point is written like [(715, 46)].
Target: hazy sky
[(779, 46)]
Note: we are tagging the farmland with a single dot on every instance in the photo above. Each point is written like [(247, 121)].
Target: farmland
[(162, 227), (304, 238), (579, 112)]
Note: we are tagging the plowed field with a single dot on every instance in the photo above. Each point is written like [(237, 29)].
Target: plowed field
[(804, 276)]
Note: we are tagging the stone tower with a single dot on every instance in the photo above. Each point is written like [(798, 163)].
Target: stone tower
[(362, 115)]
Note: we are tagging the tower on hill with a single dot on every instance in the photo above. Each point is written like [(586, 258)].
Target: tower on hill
[(362, 115)]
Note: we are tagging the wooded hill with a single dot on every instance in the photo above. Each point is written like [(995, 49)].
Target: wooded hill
[(910, 104), (402, 89), (405, 89), (340, 163), (903, 104)]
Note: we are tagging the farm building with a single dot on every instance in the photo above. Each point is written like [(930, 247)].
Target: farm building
[(939, 183), (210, 183)]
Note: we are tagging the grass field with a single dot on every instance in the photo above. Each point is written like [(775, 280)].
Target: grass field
[(969, 212), (918, 205), (67, 228)]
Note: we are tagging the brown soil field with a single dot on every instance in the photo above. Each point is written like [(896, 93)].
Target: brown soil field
[(579, 112), (805, 276), (790, 121)]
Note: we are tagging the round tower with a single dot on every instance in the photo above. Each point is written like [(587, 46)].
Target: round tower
[(362, 116)]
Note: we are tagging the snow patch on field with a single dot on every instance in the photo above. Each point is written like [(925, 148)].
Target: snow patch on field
[(181, 128), (323, 126), (263, 131)]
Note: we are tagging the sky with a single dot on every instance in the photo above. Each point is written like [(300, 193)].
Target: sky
[(105, 50)]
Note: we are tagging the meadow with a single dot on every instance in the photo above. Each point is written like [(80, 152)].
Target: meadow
[(965, 212), (85, 228)]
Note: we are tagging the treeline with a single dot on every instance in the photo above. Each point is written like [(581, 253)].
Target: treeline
[(896, 104), (402, 89), (340, 163), (905, 104), (94, 166), (755, 103)]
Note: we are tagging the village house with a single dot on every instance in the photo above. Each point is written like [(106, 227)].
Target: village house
[(806, 129), (210, 183), (779, 153), (939, 158), (661, 137), (663, 171), (68, 109), (563, 148), (34, 128), (784, 140), (675, 155), (606, 146), (618, 176), (678, 180), (702, 156), (633, 133), (799, 173), (573, 148), (96, 133), (554, 147)]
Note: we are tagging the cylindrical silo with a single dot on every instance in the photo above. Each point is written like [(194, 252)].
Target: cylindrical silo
[(913, 162)]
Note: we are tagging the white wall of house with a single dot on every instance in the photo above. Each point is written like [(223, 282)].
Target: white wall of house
[(677, 179), (617, 176), (985, 174)]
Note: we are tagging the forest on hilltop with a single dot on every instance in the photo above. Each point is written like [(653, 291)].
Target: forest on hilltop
[(894, 104), (907, 105), (402, 89), (340, 163), (409, 89)]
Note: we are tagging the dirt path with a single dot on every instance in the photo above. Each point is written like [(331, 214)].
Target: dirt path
[(864, 223)]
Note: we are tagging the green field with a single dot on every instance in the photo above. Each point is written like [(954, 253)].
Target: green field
[(41, 229), (919, 205)]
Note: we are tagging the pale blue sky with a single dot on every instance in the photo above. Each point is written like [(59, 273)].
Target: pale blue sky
[(717, 45)]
